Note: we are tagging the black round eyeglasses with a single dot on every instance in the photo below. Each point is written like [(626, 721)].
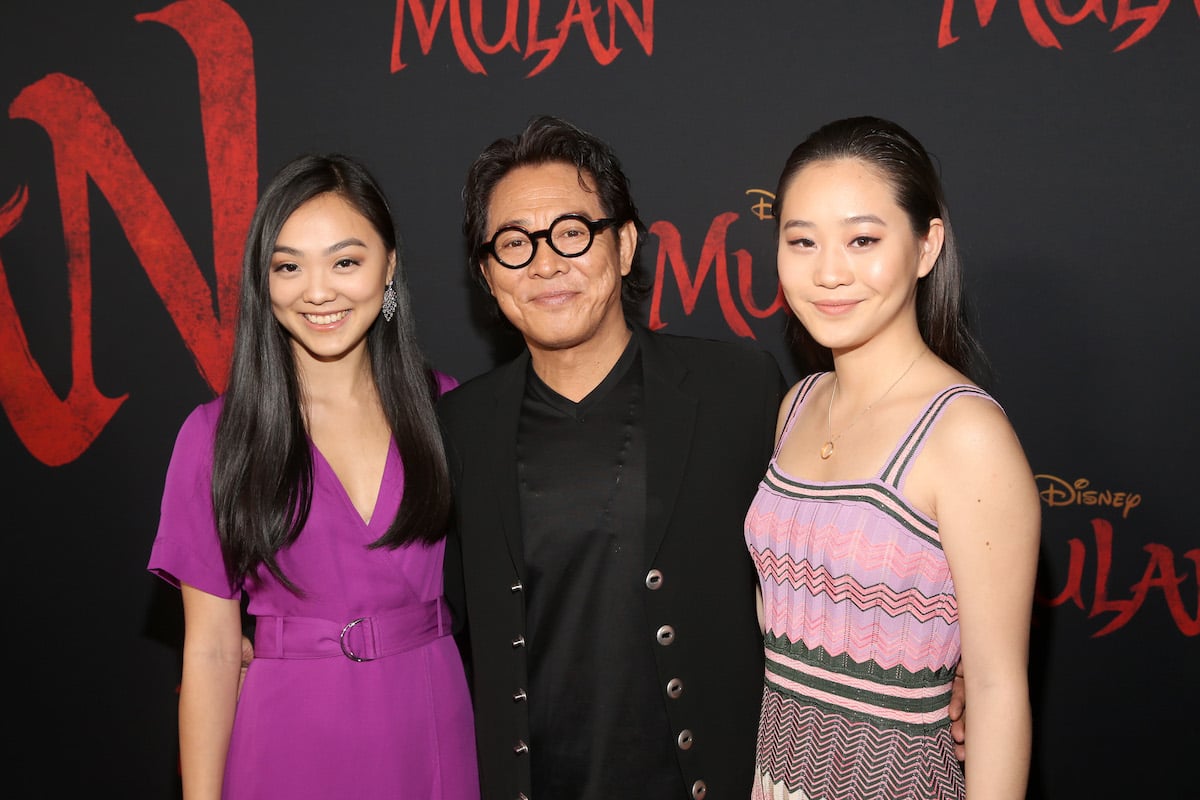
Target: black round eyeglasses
[(569, 235)]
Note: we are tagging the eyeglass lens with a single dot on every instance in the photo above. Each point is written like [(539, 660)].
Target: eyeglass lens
[(568, 236)]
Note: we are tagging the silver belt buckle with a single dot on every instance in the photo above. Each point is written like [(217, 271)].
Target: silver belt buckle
[(347, 652)]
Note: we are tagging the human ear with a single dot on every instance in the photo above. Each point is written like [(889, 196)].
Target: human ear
[(487, 276), (627, 238), (931, 246)]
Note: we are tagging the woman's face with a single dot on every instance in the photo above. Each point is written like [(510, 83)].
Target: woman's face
[(329, 268), (848, 258)]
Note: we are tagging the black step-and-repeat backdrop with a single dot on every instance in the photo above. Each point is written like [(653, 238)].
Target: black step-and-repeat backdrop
[(136, 133)]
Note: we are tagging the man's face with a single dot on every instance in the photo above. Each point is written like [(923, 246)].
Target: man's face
[(556, 302)]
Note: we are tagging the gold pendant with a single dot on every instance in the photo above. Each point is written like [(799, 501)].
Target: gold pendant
[(826, 451)]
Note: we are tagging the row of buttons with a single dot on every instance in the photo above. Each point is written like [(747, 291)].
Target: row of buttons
[(665, 636)]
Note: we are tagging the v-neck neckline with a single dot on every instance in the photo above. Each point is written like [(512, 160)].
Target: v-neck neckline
[(341, 487)]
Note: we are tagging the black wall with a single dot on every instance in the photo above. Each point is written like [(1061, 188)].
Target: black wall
[(133, 148)]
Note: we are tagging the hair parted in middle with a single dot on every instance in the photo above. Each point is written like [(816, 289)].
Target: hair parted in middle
[(262, 464)]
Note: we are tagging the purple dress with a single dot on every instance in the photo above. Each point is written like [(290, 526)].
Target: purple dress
[(311, 721)]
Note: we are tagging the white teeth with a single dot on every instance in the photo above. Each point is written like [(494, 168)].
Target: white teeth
[(325, 319)]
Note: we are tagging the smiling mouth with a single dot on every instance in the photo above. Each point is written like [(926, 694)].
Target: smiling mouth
[(326, 319), (838, 307), (554, 298)]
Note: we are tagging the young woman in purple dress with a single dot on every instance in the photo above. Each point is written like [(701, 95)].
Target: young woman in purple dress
[(316, 488)]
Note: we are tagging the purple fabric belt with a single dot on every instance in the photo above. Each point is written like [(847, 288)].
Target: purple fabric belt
[(363, 639)]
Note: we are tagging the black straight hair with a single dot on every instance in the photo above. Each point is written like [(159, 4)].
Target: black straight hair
[(262, 464), (943, 314)]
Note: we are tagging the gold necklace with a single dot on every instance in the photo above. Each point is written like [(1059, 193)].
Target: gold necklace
[(827, 448)]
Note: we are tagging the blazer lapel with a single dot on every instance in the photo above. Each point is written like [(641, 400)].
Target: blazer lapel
[(500, 457), (670, 415)]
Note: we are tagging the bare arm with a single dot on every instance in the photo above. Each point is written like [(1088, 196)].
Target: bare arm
[(212, 662), (247, 657), (989, 520), (958, 715)]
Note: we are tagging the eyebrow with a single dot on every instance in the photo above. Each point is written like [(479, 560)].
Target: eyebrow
[(333, 248), (527, 224), (855, 220)]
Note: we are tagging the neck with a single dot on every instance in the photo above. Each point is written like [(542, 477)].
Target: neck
[(348, 377), (574, 372), (864, 372)]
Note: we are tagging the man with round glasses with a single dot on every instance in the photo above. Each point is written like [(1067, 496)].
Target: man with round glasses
[(601, 588)]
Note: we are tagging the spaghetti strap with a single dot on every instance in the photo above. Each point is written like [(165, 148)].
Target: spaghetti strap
[(806, 386), (896, 468), (861, 628)]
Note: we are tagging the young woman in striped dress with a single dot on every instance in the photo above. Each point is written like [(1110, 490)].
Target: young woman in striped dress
[(896, 531)]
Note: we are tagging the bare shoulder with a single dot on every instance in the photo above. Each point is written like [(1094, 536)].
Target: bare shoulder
[(789, 399), (972, 454), (785, 408), (972, 424)]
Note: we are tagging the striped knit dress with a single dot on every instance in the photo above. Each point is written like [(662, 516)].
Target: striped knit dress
[(861, 633)]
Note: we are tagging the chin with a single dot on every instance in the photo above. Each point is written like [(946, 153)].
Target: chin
[(556, 342), (560, 339)]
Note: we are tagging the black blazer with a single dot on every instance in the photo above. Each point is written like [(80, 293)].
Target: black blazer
[(710, 412)]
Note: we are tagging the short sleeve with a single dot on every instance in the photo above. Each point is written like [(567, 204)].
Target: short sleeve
[(445, 382), (187, 548)]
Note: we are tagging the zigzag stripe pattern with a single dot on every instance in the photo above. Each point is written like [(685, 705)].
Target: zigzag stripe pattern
[(860, 710), (862, 633), (904, 557), (797, 654), (917, 714), (901, 685), (872, 493), (804, 752), (803, 576), (894, 698), (859, 637), (906, 626)]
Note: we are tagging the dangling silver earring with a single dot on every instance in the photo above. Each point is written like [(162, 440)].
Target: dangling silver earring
[(389, 302)]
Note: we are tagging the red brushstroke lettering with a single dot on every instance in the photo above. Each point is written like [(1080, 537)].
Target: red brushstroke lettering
[(1147, 18), (580, 14), (509, 39), (1159, 574), (1073, 590), (1060, 15), (1162, 565), (426, 25), (88, 146), (713, 254), (985, 8)]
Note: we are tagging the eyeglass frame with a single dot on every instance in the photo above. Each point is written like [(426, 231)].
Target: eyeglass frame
[(594, 227)]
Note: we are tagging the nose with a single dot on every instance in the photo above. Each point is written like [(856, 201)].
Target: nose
[(546, 263), (832, 269), (319, 287)]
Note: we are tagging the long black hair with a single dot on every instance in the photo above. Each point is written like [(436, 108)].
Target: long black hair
[(943, 315), (262, 464)]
